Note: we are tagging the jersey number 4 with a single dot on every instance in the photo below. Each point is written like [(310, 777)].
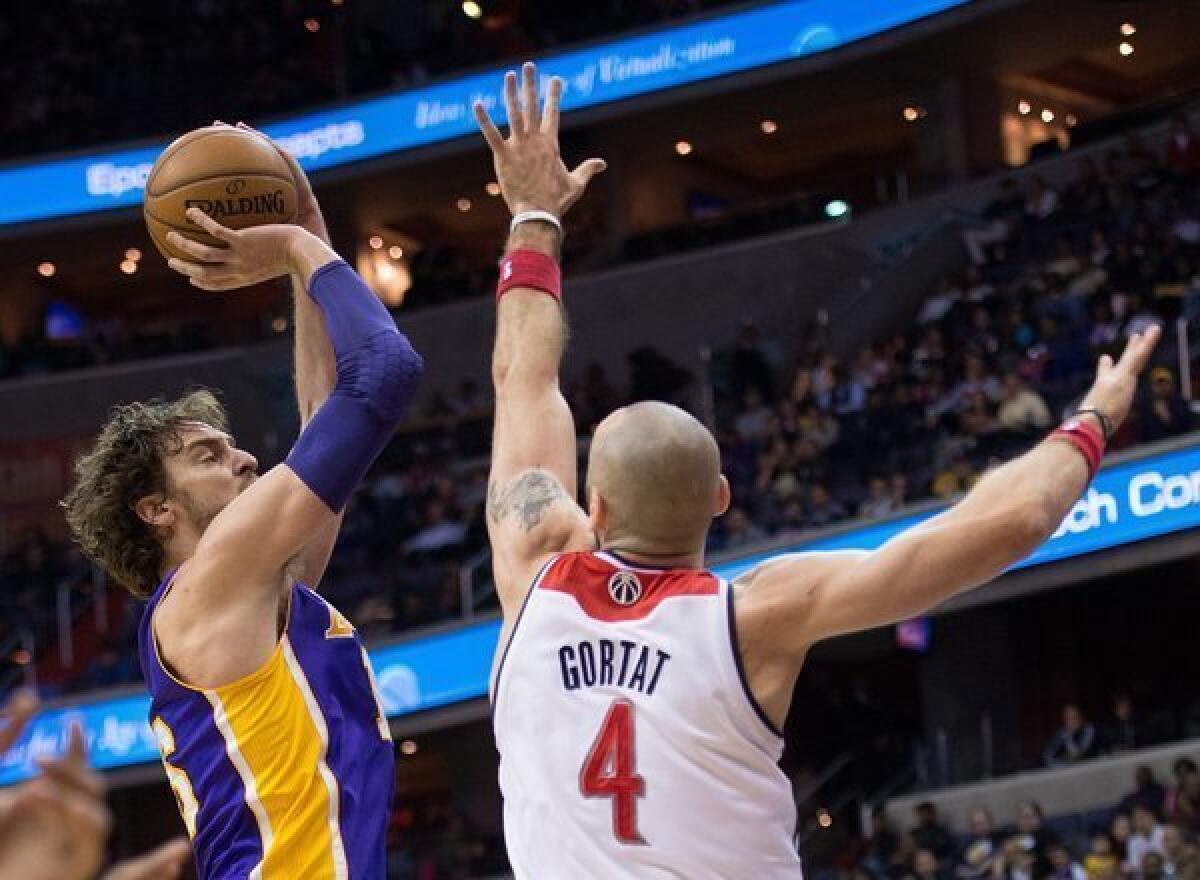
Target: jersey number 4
[(610, 770)]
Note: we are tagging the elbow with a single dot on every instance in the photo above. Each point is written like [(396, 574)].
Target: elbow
[(1033, 522), (385, 373)]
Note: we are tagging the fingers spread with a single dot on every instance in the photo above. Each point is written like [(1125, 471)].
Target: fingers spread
[(553, 99), (202, 252), (533, 113), (491, 134), (512, 106)]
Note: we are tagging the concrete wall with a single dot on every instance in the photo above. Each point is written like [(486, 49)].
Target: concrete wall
[(1094, 785)]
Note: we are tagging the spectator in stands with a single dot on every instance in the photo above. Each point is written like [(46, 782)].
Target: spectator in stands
[(754, 421), (999, 220), (880, 500), (881, 844), (1164, 413), (1183, 802), (749, 365), (1147, 836), (1183, 146), (823, 508), (1017, 861), (1022, 410), (982, 847), (1075, 741), (740, 531), (1124, 733), (1063, 866), (1182, 857), (1102, 861), (930, 834), (1147, 792), (1033, 835), (1121, 829), (926, 866), (1152, 867)]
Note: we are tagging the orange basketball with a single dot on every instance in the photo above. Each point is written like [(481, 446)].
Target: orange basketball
[(235, 176)]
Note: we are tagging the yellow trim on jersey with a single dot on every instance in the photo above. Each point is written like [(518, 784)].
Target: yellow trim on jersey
[(277, 739), (181, 783)]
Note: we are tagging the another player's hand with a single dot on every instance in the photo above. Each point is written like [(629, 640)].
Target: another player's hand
[(249, 256), (15, 715), (55, 827), (1116, 383), (164, 863), (530, 171)]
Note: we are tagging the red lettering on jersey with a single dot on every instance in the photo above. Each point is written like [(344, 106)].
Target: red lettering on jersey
[(610, 770)]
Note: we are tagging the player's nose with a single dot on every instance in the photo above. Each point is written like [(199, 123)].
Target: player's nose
[(244, 463)]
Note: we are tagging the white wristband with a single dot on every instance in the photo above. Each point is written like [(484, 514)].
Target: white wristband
[(544, 216)]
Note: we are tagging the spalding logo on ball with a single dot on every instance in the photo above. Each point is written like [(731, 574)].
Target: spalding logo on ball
[(235, 176)]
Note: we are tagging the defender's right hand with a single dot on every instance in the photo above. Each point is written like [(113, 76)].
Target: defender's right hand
[(250, 256)]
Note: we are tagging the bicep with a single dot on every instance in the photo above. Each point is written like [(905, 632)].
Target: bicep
[(915, 571)]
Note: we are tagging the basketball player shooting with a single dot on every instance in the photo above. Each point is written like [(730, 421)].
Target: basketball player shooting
[(270, 727), (638, 698)]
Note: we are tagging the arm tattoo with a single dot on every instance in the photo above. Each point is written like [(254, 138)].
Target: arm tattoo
[(529, 496)]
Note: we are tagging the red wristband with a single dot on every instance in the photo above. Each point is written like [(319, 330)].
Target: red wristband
[(1088, 439), (532, 270)]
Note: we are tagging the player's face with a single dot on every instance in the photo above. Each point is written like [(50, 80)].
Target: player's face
[(207, 472)]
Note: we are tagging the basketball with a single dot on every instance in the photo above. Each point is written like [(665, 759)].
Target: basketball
[(235, 176)]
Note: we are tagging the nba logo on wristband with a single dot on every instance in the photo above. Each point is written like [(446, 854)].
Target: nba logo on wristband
[(531, 270)]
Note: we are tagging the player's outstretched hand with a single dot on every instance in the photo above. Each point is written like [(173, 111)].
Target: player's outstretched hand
[(249, 256), (1116, 383), (164, 863), (530, 172)]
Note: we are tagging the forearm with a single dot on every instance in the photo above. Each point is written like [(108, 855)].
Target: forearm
[(530, 326), (1031, 494), (315, 368), (377, 372)]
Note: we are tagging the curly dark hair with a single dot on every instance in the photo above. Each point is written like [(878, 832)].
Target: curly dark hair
[(124, 465)]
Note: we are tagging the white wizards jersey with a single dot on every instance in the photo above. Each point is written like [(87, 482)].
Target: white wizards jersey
[(630, 745)]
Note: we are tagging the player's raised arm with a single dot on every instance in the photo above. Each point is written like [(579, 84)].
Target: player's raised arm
[(315, 366), (787, 604), (531, 510), (256, 535)]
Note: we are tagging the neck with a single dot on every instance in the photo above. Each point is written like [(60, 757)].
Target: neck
[(178, 551), (665, 559)]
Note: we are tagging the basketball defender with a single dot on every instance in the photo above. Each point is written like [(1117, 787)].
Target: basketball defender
[(638, 699), (271, 731)]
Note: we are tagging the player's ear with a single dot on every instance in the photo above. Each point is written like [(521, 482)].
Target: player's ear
[(724, 496), (153, 510), (597, 511)]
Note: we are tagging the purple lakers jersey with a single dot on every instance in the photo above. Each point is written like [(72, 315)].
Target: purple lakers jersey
[(287, 772)]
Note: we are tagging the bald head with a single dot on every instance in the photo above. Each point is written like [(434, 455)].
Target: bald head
[(656, 472)]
